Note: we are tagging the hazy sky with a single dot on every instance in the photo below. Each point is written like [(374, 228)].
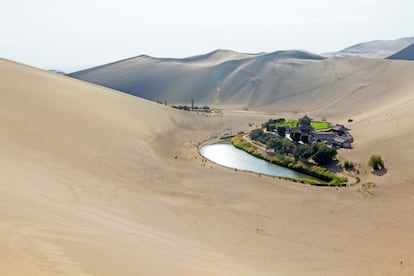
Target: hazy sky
[(65, 34)]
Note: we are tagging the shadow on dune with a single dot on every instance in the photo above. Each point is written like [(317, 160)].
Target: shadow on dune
[(381, 172), (335, 167)]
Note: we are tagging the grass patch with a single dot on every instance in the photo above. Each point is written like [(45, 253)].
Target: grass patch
[(290, 123), (317, 125), (365, 188), (367, 185)]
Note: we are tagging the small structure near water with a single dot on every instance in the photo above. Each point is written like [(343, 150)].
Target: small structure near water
[(304, 126), (337, 135)]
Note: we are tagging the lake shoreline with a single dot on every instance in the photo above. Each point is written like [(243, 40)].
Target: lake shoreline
[(317, 172), (270, 169)]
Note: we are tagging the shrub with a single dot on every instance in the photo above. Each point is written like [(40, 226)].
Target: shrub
[(255, 134), (238, 142), (376, 162), (349, 166)]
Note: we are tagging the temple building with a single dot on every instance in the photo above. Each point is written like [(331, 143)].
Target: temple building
[(304, 125), (337, 135)]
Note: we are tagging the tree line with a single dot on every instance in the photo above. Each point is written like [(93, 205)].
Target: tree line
[(318, 152)]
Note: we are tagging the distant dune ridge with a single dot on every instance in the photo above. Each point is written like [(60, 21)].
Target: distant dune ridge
[(404, 54), (375, 49), (274, 81), (98, 182), (217, 78), (216, 57)]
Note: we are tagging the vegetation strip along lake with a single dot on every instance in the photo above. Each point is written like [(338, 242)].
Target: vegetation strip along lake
[(324, 176)]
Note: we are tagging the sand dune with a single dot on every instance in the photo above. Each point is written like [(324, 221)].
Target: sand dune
[(375, 49), (270, 82), (97, 182), (208, 79), (216, 57), (404, 54)]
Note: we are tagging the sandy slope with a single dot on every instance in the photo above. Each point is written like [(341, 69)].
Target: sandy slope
[(94, 182), (405, 54)]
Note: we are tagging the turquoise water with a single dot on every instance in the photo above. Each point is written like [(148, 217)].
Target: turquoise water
[(225, 154)]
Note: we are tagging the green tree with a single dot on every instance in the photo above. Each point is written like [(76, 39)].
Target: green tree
[(349, 166), (281, 145), (287, 147), (281, 131), (376, 162), (303, 151), (274, 143), (255, 134), (324, 155), (315, 147), (192, 103), (295, 136), (304, 138)]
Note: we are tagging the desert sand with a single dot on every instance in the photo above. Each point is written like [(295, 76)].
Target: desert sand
[(97, 182)]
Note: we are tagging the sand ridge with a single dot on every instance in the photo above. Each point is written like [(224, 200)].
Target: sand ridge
[(376, 48), (278, 81)]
